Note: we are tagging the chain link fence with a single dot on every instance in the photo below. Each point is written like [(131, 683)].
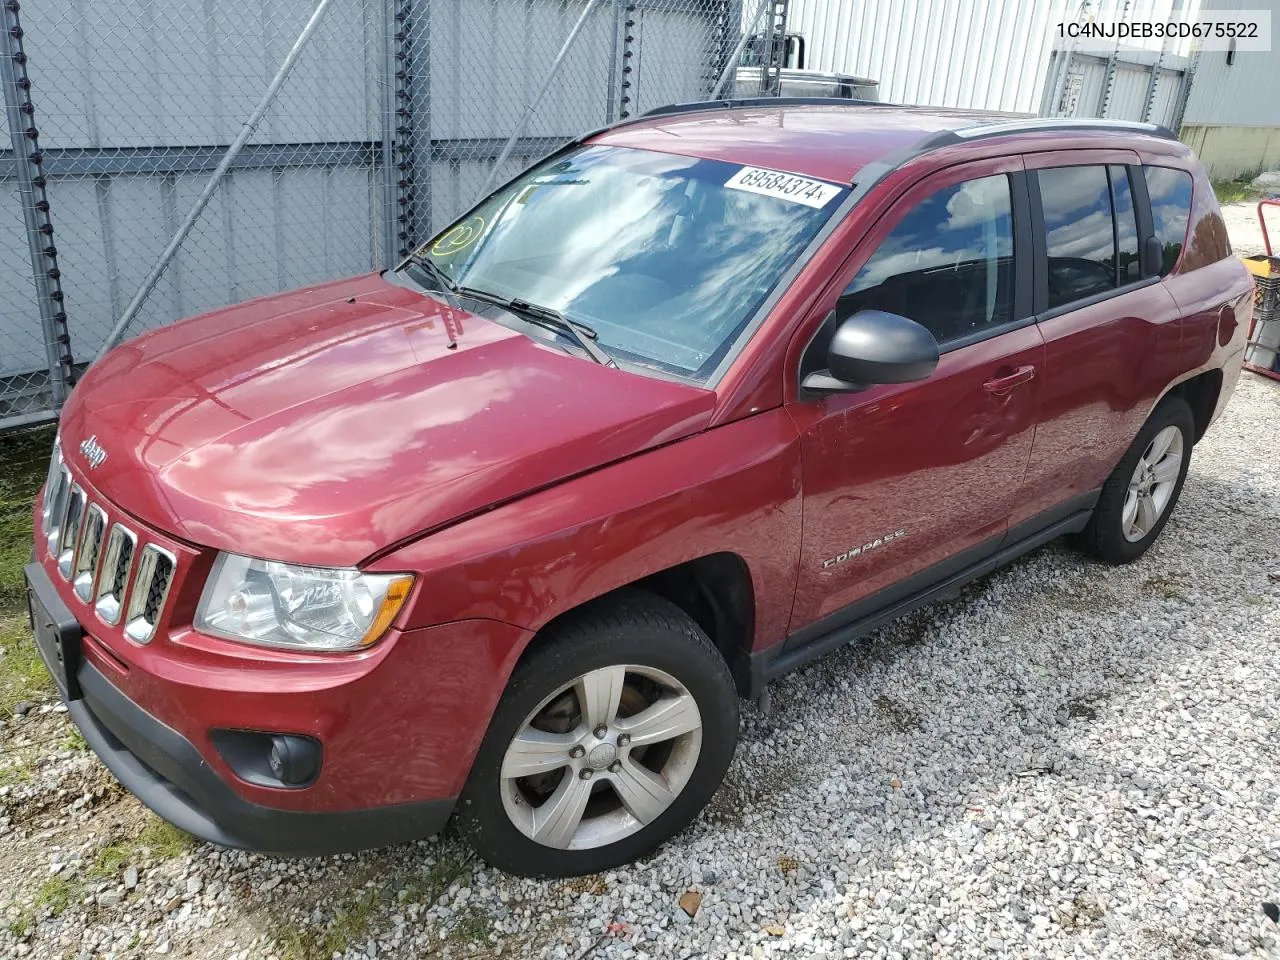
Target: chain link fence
[(394, 117)]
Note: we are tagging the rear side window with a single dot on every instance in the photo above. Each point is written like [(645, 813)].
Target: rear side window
[(1128, 263), (947, 265), (1091, 231), (1170, 192)]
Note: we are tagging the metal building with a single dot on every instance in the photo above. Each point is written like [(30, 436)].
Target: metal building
[(1232, 118), (1007, 55)]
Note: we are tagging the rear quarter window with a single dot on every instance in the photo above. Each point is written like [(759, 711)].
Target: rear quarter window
[(1170, 193)]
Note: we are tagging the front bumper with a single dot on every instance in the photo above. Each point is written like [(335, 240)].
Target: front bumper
[(168, 772), (162, 769)]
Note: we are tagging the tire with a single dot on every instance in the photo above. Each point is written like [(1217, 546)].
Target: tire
[(1109, 535), (667, 658)]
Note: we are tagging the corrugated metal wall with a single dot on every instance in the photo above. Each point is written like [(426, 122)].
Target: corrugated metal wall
[(986, 54), (978, 54), (1245, 93), (1129, 89)]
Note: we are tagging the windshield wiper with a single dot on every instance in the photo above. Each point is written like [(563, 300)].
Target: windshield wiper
[(579, 333), (433, 272)]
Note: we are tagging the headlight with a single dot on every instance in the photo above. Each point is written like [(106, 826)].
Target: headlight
[(304, 608)]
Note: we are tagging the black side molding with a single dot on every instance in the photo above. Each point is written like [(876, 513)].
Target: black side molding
[(753, 671)]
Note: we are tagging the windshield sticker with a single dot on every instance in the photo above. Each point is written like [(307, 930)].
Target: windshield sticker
[(783, 186), (459, 238)]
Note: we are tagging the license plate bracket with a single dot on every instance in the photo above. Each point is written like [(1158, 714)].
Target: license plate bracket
[(57, 634)]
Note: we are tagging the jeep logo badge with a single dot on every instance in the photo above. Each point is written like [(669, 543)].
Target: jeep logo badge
[(92, 451)]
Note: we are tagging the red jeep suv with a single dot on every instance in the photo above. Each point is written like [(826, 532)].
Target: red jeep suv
[(505, 533)]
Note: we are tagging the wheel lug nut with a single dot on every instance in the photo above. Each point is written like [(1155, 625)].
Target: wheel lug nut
[(624, 739), (615, 767), (600, 731), (577, 752), (585, 774)]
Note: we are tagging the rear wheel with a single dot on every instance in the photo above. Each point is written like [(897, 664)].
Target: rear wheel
[(612, 735), (1141, 492)]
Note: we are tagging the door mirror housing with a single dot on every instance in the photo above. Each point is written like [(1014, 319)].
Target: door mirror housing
[(873, 346), (1152, 257)]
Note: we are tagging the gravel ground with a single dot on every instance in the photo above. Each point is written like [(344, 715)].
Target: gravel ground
[(1067, 760)]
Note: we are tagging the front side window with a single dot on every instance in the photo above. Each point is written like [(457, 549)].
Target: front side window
[(666, 258), (1170, 193), (948, 264), (1080, 232)]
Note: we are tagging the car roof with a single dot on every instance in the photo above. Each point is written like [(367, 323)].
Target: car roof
[(830, 140)]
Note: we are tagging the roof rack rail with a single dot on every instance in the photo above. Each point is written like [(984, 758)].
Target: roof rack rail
[(1037, 124), (696, 106)]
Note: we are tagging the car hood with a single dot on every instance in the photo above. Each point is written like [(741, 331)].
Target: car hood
[(324, 425)]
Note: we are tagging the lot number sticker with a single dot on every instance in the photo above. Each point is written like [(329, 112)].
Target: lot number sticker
[(784, 186)]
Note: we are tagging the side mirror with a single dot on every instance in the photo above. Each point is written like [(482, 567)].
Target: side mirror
[(1152, 257), (875, 347)]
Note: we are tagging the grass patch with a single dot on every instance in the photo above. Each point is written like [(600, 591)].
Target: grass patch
[(56, 894), (352, 921), (349, 924), (158, 839), (24, 461), (164, 840), (17, 769), (426, 886), (23, 675), (1233, 191), (472, 927), (75, 741), (53, 897)]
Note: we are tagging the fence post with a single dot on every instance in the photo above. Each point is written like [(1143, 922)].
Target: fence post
[(390, 102), (1184, 94), (27, 159), (728, 24), (415, 151), (611, 91), (731, 66), (628, 72)]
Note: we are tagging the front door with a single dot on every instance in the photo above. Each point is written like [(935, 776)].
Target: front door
[(904, 482)]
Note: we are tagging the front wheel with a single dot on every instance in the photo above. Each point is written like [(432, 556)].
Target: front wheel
[(612, 735), (1141, 492)]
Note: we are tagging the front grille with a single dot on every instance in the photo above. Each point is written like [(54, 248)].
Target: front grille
[(116, 564), (88, 551), (150, 588), (99, 561), (57, 491), (69, 531)]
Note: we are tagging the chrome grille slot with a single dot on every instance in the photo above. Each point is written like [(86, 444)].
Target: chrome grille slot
[(57, 508), (116, 562), (88, 551), (51, 483), (69, 533), (150, 589)]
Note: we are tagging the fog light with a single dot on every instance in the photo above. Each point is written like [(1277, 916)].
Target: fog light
[(270, 759), (293, 759)]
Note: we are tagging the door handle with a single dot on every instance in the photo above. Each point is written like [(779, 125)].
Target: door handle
[(1006, 382)]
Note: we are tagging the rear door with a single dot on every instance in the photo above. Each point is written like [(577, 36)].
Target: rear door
[(1111, 331), (905, 481)]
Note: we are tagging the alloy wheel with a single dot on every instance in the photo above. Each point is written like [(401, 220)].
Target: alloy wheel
[(1155, 477), (602, 757)]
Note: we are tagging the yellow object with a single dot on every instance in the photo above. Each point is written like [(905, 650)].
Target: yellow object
[(397, 594), (1262, 265)]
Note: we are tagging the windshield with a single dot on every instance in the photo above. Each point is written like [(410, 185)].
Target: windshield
[(664, 257)]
